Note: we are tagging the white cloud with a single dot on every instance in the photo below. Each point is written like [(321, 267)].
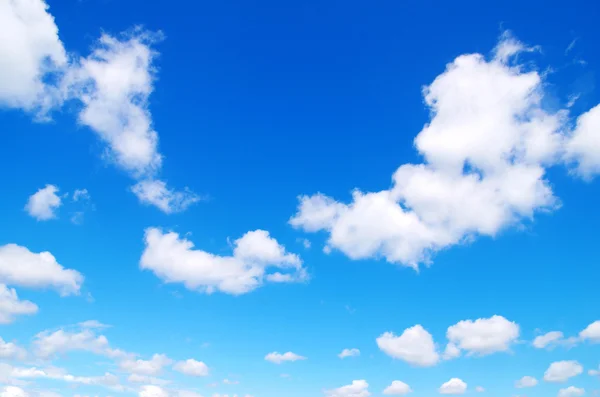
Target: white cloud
[(173, 259), (156, 192), (453, 386), (30, 50), (484, 335), (548, 340), (485, 148), (21, 267), (571, 391), (397, 388), (47, 344), (12, 391), (136, 378), (594, 372), (349, 353), (230, 382), (358, 388), (10, 350), (191, 367), (451, 351), (279, 358), (561, 371), (81, 195), (152, 391), (11, 306), (145, 367), (526, 381), (591, 332), (114, 83), (479, 389), (92, 324), (42, 204), (584, 146), (415, 346)]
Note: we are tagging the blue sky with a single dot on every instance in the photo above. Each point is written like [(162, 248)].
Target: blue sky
[(337, 199)]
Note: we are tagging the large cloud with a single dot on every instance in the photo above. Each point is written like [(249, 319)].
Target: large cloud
[(174, 259), (415, 346), (486, 149), (23, 268)]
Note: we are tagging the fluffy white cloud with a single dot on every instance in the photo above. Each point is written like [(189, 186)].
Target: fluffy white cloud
[(11, 306), (114, 83), (594, 372), (30, 50), (584, 146), (358, 388), (451, 351), (484, 335), (571, 391), (479, 389), (453, 386), (591, 332), (349, 353), (145, 367), (21, 267), (486, 149), (42, 204), (173, 259), (191, 367), (12, 391), (279, 358), (526, 381), (548, 340), (415, 346), (10, 350), (47, 344), (156, 192), (561, 371), (397, 388), (152, 391)]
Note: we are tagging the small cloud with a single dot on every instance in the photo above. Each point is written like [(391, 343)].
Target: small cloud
[(349, 353), (42, 205), (279, 358)]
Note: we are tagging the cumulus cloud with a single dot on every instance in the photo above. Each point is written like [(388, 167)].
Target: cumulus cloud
[(12, 391), (11, 306), (23, 268), (526, 381), (358, 388), (453, 386), (584, 146), (571, 391), (548, 340), (154, 366), (484, 335), (10, 350), (279, 358), (42, 204), (156, 192), (415, 346), (191, 367), (561, 371), (486, 148), (30, 52), (397, 388), (591, 332), (349, 353), (47, 343), (174, 260)]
